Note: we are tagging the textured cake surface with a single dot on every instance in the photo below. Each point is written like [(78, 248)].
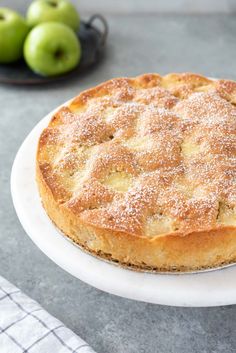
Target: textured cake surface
[(143, 171)]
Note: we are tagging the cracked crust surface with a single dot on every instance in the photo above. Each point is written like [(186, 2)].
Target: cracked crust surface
[(143, 171)]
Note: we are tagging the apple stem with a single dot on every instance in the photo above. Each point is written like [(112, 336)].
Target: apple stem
[(59, 54), (52, 3)]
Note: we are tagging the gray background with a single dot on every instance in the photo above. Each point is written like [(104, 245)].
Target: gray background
[(137, 43)]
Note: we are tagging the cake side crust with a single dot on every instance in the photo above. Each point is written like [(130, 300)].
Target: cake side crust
[(196, 251)]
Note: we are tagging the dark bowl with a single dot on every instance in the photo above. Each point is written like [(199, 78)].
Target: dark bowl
[(92, 41)]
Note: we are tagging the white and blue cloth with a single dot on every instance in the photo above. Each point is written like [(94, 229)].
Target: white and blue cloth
[(25, 327)]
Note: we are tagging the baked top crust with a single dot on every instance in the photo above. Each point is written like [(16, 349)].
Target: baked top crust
[(148, 156)]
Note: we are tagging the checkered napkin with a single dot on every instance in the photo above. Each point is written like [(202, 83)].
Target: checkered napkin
[(25, 327)]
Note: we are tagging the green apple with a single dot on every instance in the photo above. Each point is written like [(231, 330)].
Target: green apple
[(13, 30), (53, 10), (52, 49)]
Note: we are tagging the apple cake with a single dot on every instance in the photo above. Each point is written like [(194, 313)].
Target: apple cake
[(142, 171)]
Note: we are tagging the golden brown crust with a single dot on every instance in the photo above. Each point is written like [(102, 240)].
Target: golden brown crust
[(142, 171)]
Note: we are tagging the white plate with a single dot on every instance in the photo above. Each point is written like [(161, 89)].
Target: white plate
[(202, 289)]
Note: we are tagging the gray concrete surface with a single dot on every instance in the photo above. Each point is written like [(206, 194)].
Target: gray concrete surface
[(204, 44), (147, 7)]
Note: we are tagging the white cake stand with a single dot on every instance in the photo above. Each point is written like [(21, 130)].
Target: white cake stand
[(212, 288)]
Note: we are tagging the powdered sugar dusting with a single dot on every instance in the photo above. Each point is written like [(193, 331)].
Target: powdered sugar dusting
[(180, 154)]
